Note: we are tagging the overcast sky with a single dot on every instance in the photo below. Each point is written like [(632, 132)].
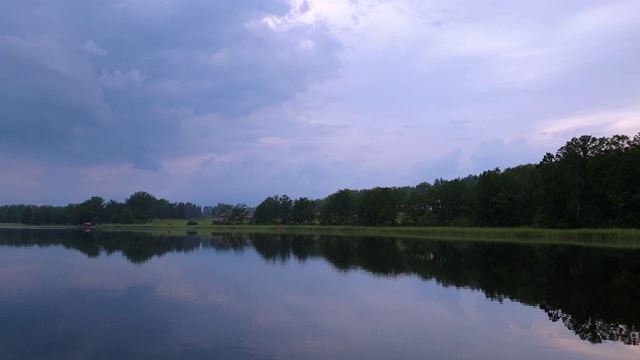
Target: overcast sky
[(232, 101)]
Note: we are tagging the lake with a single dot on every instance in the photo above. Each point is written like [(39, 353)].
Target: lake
[(69, 294)]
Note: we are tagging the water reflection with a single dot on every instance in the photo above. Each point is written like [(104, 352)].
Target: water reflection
[(593, 292)]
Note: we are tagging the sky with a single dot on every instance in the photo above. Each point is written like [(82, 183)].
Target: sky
[(234, 101)]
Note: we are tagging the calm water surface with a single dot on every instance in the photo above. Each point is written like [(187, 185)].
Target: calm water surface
[(65, 294)]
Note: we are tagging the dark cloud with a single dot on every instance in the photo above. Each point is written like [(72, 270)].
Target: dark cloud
[(83, 83), (238, 100)]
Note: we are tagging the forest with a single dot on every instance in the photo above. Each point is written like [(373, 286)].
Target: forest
[(589, 182)]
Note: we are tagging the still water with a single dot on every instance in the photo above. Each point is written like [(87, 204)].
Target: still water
[(66, 294)]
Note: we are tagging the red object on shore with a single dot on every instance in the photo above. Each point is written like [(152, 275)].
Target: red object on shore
[(86, 224)]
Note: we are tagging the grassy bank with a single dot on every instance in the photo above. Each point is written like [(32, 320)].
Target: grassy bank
[(607, 237), (582, 236)]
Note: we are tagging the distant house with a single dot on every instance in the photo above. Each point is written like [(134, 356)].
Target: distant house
[(222, 217)]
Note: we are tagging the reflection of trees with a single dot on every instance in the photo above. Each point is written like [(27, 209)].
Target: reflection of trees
[(596, 330), (280, 248), (594, 292), (137, 247)]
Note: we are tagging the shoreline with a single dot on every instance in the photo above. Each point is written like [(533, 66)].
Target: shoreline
[(595, 237)]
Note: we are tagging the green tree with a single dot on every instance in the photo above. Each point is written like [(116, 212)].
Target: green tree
[(164, 209), (219, 209), (11, 213), (238, 214), (127, 217), (379, 206), (142, 205), (422, 188), (589, 182), (268, 212), (284, 209), (340, 208), (45, 215), (504, 198), (303, 211), (415, 207), (450, 202), (28, 215), (88, 211)]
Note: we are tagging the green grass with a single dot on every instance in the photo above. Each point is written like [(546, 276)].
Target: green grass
[(625, 237), (18, 225), (596, 237)]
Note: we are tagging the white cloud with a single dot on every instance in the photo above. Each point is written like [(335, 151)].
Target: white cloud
[(602, 123), (94, 49), (603, 21)]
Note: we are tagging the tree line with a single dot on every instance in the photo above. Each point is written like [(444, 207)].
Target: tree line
[(141, 207), (588, 183)]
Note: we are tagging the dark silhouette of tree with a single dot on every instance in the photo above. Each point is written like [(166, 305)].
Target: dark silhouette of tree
[(268, 212), (142, 205), (340, 208), (284, 209), (379, 206), (303, 211)]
